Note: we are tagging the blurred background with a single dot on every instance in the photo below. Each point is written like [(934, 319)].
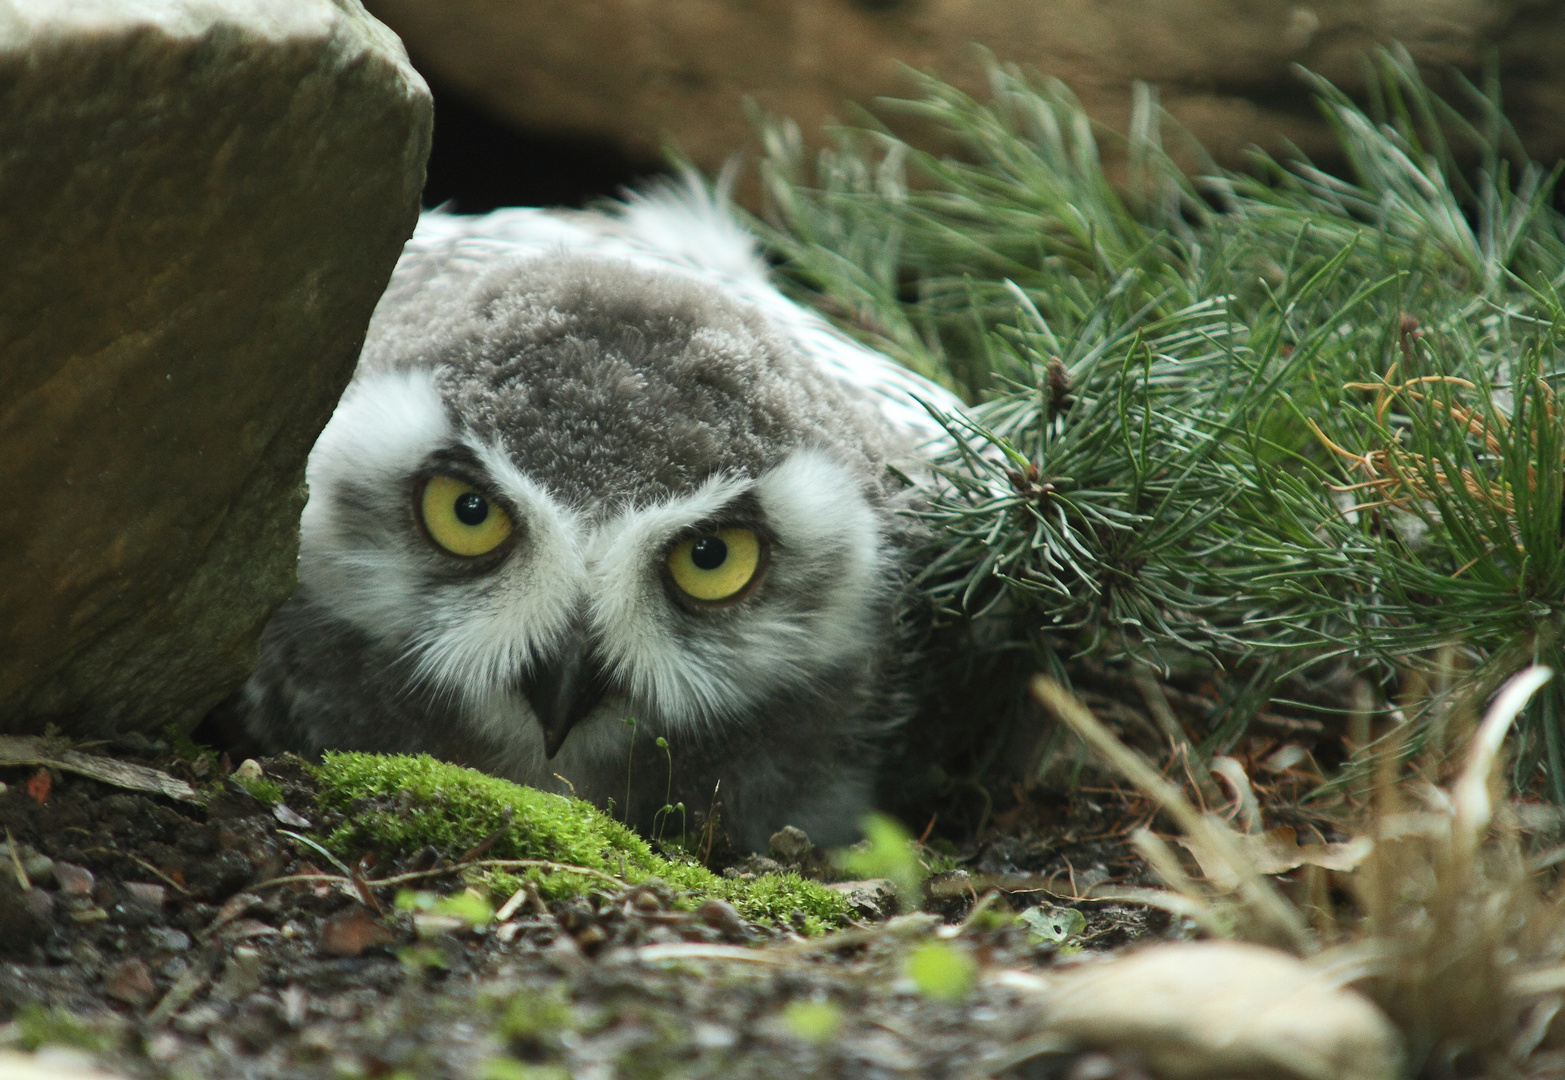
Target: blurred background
[(558, 101)]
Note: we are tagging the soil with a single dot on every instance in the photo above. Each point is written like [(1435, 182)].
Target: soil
[(151, 932)]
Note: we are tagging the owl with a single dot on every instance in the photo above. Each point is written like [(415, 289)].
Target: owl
[(602, 512)]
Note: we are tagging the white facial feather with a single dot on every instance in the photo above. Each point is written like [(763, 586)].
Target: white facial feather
[(382, 431), (492, 629), (632, 613)]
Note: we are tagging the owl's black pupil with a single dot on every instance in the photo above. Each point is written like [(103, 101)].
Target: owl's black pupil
[(471, 508), (708, 553)]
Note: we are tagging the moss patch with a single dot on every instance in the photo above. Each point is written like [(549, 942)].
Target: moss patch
[(267, 791), (396, 804)]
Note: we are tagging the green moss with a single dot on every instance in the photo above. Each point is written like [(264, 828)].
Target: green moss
[(39, 1026), (263, 789), (536, 1015), (773, 898), (394, 805)]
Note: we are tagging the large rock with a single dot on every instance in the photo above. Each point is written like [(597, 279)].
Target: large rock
[(200, 203), (636, 72)]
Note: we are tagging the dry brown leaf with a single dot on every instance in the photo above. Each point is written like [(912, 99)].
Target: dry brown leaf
[(38, 787), (33, 750), (351, 933)]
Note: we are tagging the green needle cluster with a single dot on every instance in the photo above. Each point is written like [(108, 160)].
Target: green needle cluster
[(1265, 418)]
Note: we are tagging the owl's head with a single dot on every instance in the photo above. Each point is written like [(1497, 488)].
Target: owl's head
[(566, 490)]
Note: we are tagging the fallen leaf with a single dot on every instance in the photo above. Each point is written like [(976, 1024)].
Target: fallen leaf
[(1278, 851), (351, 933), (1057, 924), (35, 750), (38, 786), (290, 817), (1219, 1008)]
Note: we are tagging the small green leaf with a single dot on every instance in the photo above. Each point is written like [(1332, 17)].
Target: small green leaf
[(418, 957), (887, 851), (813, 1021), (1056, 924), (941, 971)]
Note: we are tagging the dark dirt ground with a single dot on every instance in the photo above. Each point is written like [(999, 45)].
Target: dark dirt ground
[(142, 928)]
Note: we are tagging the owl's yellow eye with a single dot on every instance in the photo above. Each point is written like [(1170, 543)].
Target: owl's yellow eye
[(460, 518), (715, 565)]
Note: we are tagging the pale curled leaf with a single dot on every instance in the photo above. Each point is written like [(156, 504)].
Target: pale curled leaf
[(1246, 807), (1056, 924), (1470, 796), (1219, 1008), (1277, 851)]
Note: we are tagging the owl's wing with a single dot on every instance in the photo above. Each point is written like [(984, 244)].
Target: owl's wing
[(683, 228)]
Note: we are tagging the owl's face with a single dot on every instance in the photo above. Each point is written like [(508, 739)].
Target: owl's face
[(564, 511)]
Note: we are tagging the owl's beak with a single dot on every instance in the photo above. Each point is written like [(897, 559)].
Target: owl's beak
[(565, 689)]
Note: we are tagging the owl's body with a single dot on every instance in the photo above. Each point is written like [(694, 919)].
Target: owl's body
[(594, 468)]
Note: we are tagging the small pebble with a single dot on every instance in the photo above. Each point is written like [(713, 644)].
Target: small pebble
[(296, 1006), (166, 938), (39, 904), (241, 976), (74, 880), (198, 1020), (289, 817), (711, 1036), (164, 1047), (146, 894), (130, 981), (790, 844), (39, 868), (721, 916)]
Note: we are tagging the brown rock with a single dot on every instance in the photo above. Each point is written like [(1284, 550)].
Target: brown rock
[(204, 201), (790, 844), (130, 981), (874, 899), (639, 73)]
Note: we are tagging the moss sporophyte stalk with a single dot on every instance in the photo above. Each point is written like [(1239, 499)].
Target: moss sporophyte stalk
[(394, 805)]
